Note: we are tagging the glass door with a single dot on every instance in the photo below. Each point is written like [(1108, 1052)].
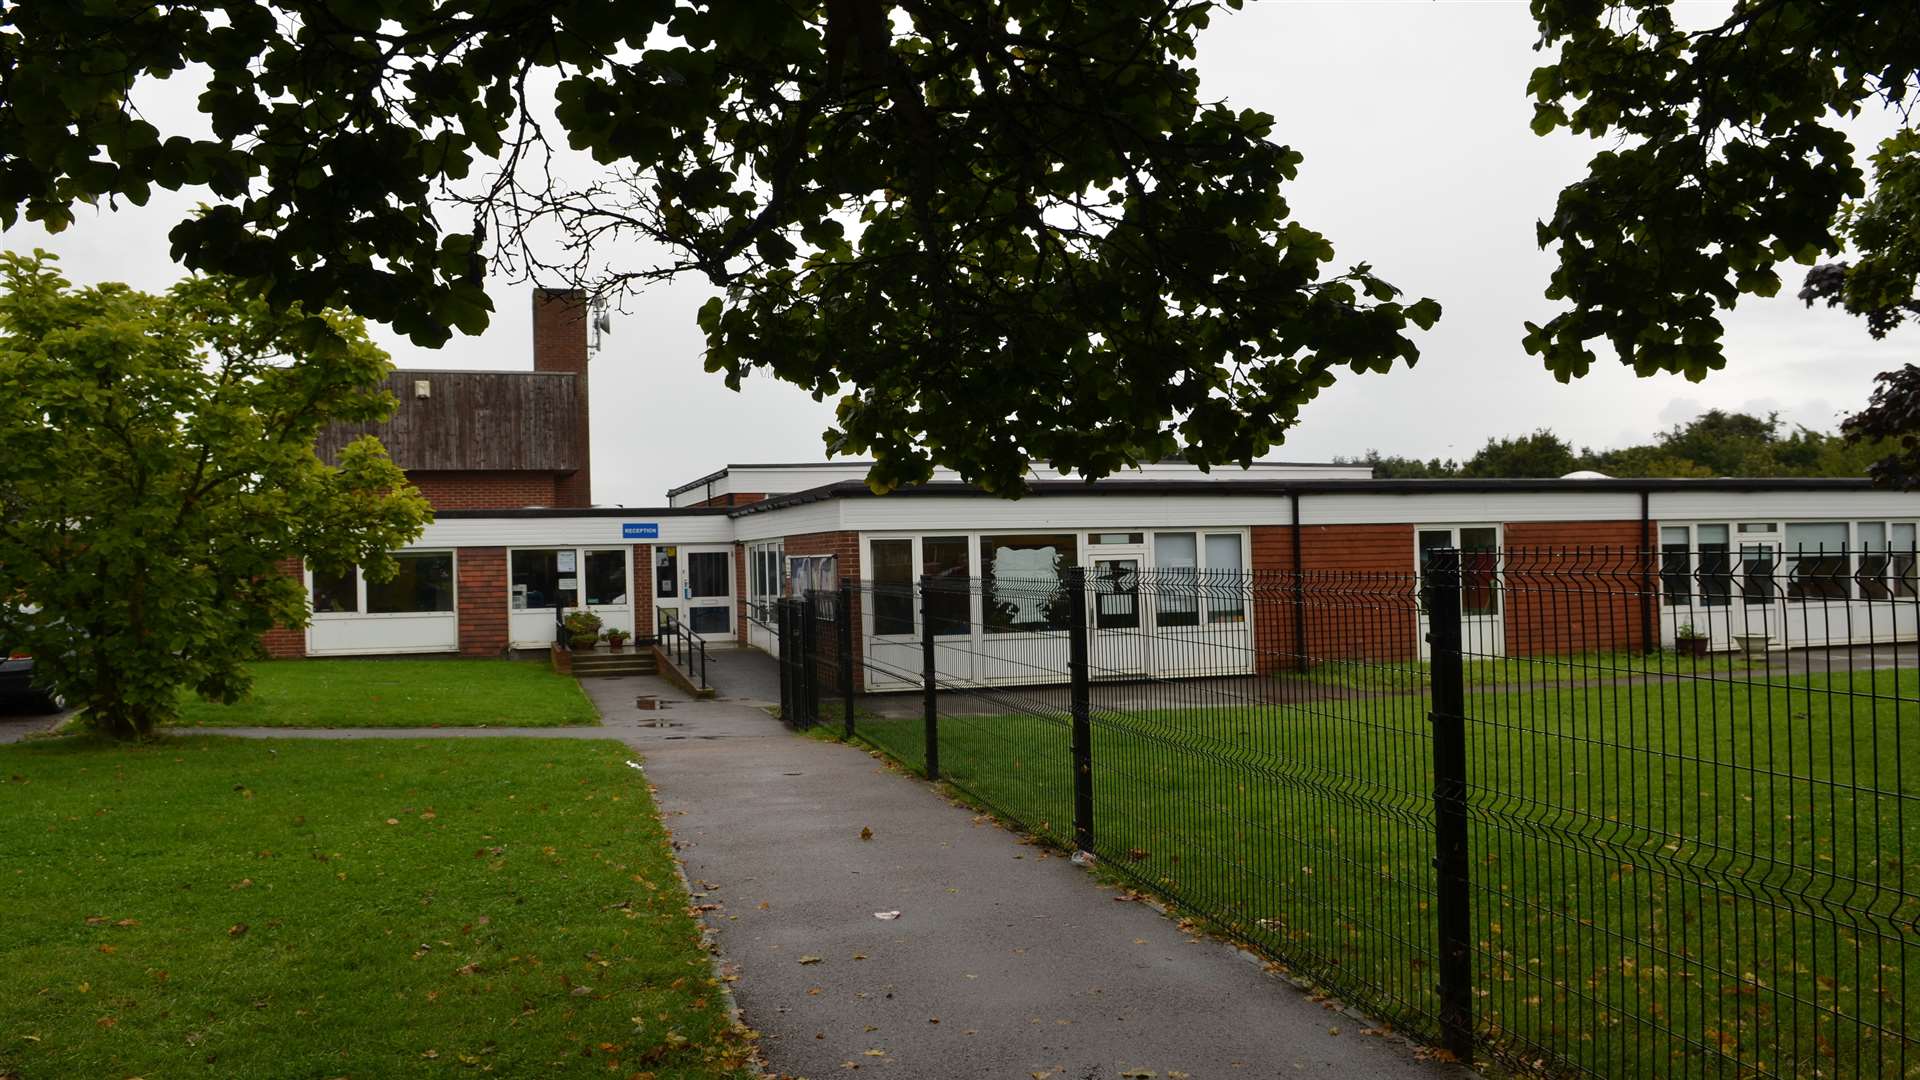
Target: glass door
[(694, 584), (1482, 632), (1761, 582), (1117, 645)]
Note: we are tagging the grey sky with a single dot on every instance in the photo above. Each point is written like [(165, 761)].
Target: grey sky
[(1413, 119)]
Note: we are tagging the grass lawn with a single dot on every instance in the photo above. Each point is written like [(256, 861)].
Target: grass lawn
[(1668, 878), (399, 693), (203, 906)]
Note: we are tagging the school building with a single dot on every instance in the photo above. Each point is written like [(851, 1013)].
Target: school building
[(504, 459)]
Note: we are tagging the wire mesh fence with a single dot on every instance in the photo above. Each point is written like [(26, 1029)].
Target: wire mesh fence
[(1602, 812)]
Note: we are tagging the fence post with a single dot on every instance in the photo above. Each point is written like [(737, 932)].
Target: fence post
[(929, 702), (1450, 802), (1081, 739), (784, 642), (846, 655), (810, 657)]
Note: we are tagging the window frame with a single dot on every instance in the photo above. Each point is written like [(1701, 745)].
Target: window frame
[(360, 592)]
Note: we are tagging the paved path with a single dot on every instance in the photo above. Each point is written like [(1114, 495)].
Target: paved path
[(1006, 961)]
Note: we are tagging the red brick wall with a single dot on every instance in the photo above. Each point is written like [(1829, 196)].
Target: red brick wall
[(483, 600), (1358, 594), (735, 499), (483, 490), (641, 590), (741, 584), (846, 547), (1572, 586), (286, 642), (560, 344)]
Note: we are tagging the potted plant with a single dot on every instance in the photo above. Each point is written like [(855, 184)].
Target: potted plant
[(1689, 641), (583, 629), (617, 639)]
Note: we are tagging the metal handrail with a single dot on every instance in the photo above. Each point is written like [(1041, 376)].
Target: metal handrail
[(683, 642)]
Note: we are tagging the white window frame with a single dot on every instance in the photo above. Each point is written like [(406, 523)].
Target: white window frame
[(360, 592)]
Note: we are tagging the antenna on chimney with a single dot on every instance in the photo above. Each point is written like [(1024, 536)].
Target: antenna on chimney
[(602, 323)]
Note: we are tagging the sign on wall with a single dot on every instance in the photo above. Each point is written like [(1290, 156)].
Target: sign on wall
[(640, 530)]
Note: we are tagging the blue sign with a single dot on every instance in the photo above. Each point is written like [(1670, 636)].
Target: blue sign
[(640, 530)]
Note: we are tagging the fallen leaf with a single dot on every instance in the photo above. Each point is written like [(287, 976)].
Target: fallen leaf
[(237, 929), (888, 915), (1139, 1074), (394, 821), (582, 991), (866, 833), (811, 959), (875, 1052), (431, 1054)]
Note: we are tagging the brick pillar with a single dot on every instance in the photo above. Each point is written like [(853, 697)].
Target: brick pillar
[(287, 642), (643, 624), (483, 601), (560, 344)]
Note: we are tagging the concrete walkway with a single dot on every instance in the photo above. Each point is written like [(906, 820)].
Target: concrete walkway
[(1005, 960)]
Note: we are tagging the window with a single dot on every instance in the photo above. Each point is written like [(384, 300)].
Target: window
[(709, 573), (1020, 578), (1130, 539), (336, 592), (1116, 592), (1817, 561), (1716, 566), (1756, 574), (943, 560), (544, 577), (1176, 562), (1226, 584), (810, 573), (666, 573), (763, 580), (1870, 574), (1901, 559), (893, 587), (423, 583), (1759, 527), (1676, 566), (1479, 565), (710, 619), (607, 577)]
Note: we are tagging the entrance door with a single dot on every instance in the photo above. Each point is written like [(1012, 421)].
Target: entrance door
[(1117, 646), (694, 583)]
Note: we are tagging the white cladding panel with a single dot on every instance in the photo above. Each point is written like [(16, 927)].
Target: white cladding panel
[(1496, 506), (576, 531), (921, 513), (814, 517), (1785, 505)]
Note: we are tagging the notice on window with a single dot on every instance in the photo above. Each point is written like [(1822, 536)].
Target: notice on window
[(566, 562), (569, 583)]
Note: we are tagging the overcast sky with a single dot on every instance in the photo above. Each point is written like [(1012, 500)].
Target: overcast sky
[(1413, 120)]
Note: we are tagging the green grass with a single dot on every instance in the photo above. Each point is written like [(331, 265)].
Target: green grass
[(237, 908), (1666, 875), (399, 693)]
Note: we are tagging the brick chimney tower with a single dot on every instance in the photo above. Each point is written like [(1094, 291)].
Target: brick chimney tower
[(560, 344)]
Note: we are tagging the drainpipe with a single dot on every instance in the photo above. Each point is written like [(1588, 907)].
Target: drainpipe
[(1649, 642), (1299, 590)]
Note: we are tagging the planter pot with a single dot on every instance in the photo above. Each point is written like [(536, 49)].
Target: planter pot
[(617, 644), (1691, 646), (584, 642), (1753, 646)]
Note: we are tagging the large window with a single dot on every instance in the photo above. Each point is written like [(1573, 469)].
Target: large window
[(893, 587), (544, 577), (1817, 561), (1021, 579), (1901, 559), (1224, 579), (1716, 566), (764, 582), (709, 573), (423, 583), (1198, 577)]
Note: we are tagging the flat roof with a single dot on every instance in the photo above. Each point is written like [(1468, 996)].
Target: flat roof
[(728, 468), (1272, 488)]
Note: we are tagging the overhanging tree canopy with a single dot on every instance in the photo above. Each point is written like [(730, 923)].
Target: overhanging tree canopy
[(996, 233)]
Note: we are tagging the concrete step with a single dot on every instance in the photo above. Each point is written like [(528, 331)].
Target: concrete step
[(591, 664)]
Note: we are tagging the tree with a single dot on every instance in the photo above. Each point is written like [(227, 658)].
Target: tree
[(157, 470), (1541, 454), (1724, 161), (995, 233)]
